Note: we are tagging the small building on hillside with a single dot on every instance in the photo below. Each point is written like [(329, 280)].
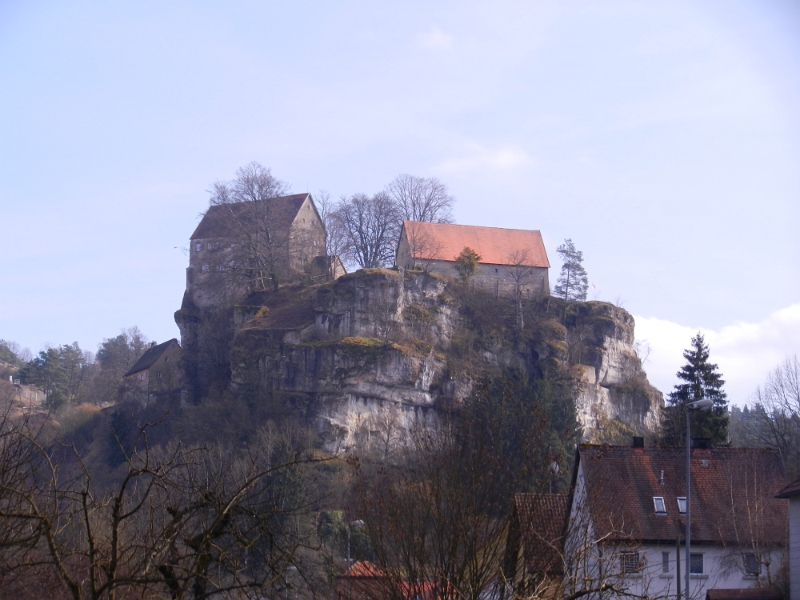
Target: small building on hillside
[(251, 246), (533, 566), (511, 260), (157, 372)]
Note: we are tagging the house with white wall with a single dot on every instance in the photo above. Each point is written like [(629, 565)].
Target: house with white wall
[(624, 533), (792, 493)]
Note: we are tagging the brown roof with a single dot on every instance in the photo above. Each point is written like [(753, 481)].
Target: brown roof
[(494, 245), (214, 223), (732, 493), (790, 491), (744, 594), (542, 520), (150, 356)]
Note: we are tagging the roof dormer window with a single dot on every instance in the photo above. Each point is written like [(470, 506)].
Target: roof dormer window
[(661, 506), (682, 505)]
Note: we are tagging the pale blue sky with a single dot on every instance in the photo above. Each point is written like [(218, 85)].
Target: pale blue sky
[(662, 137)]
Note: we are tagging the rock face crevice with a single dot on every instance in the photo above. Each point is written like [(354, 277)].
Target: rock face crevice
[(376, 353)]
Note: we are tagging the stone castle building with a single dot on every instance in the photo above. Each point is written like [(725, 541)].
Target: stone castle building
[(243, 247), (511, 260)]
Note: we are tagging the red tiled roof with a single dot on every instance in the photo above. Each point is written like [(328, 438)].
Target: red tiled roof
[(364, 568), (494, 245), (542, 519), (790, 491), (213, 224), (732, 493)]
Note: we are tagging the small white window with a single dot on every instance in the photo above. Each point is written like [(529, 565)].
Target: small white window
[(661, 507), (204, 269), (629, 562), (665, 562), (682, 505), (752, 566), (158, 375), (198, 246), (696, 564)]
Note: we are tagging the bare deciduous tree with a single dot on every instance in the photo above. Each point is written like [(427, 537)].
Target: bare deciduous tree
[(421, 199), (255, 249), (371, 227), (425, 248), (521, 272), (774, 418), (178, 523)]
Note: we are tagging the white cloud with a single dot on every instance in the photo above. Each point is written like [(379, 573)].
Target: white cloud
[(745, 352), (477, 157), (435, 38)]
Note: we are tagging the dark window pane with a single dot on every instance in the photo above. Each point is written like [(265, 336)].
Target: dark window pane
[(696, 563)]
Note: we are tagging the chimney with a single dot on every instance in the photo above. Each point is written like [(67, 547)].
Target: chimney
[(638, 442), (153, 344)]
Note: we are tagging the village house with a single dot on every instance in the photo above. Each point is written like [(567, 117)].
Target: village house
[(157, 372), (533, 563), (237, 245), (364, 580), (626, 521), (792, 493), (511, 260)]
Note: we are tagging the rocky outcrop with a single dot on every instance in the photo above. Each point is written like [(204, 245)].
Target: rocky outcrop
[(375, 353)]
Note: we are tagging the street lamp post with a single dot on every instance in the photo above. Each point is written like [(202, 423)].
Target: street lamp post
[(704, 404), (358, 523)]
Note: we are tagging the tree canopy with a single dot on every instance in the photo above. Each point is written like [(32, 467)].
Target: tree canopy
[(701, 380), (573, 283)]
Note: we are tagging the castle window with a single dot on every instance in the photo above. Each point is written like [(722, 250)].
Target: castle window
[(158, 375), (198, 246), (166, 359), (204, 269)]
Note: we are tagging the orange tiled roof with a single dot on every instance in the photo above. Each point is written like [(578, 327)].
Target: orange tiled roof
[(495, 245), (364, 568)]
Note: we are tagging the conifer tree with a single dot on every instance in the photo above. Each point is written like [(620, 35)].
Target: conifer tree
[(573, 283), (701, 380)]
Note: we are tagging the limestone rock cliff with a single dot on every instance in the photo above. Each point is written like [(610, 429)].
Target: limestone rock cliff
[(372, 354)]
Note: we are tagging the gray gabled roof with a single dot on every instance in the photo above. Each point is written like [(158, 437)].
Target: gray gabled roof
[(220, 218), (147, 359)]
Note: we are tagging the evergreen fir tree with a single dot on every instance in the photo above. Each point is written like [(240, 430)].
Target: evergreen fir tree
[(573, 283), (701, 380)]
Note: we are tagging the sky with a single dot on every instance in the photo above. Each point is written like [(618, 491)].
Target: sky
[(663, 138)]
